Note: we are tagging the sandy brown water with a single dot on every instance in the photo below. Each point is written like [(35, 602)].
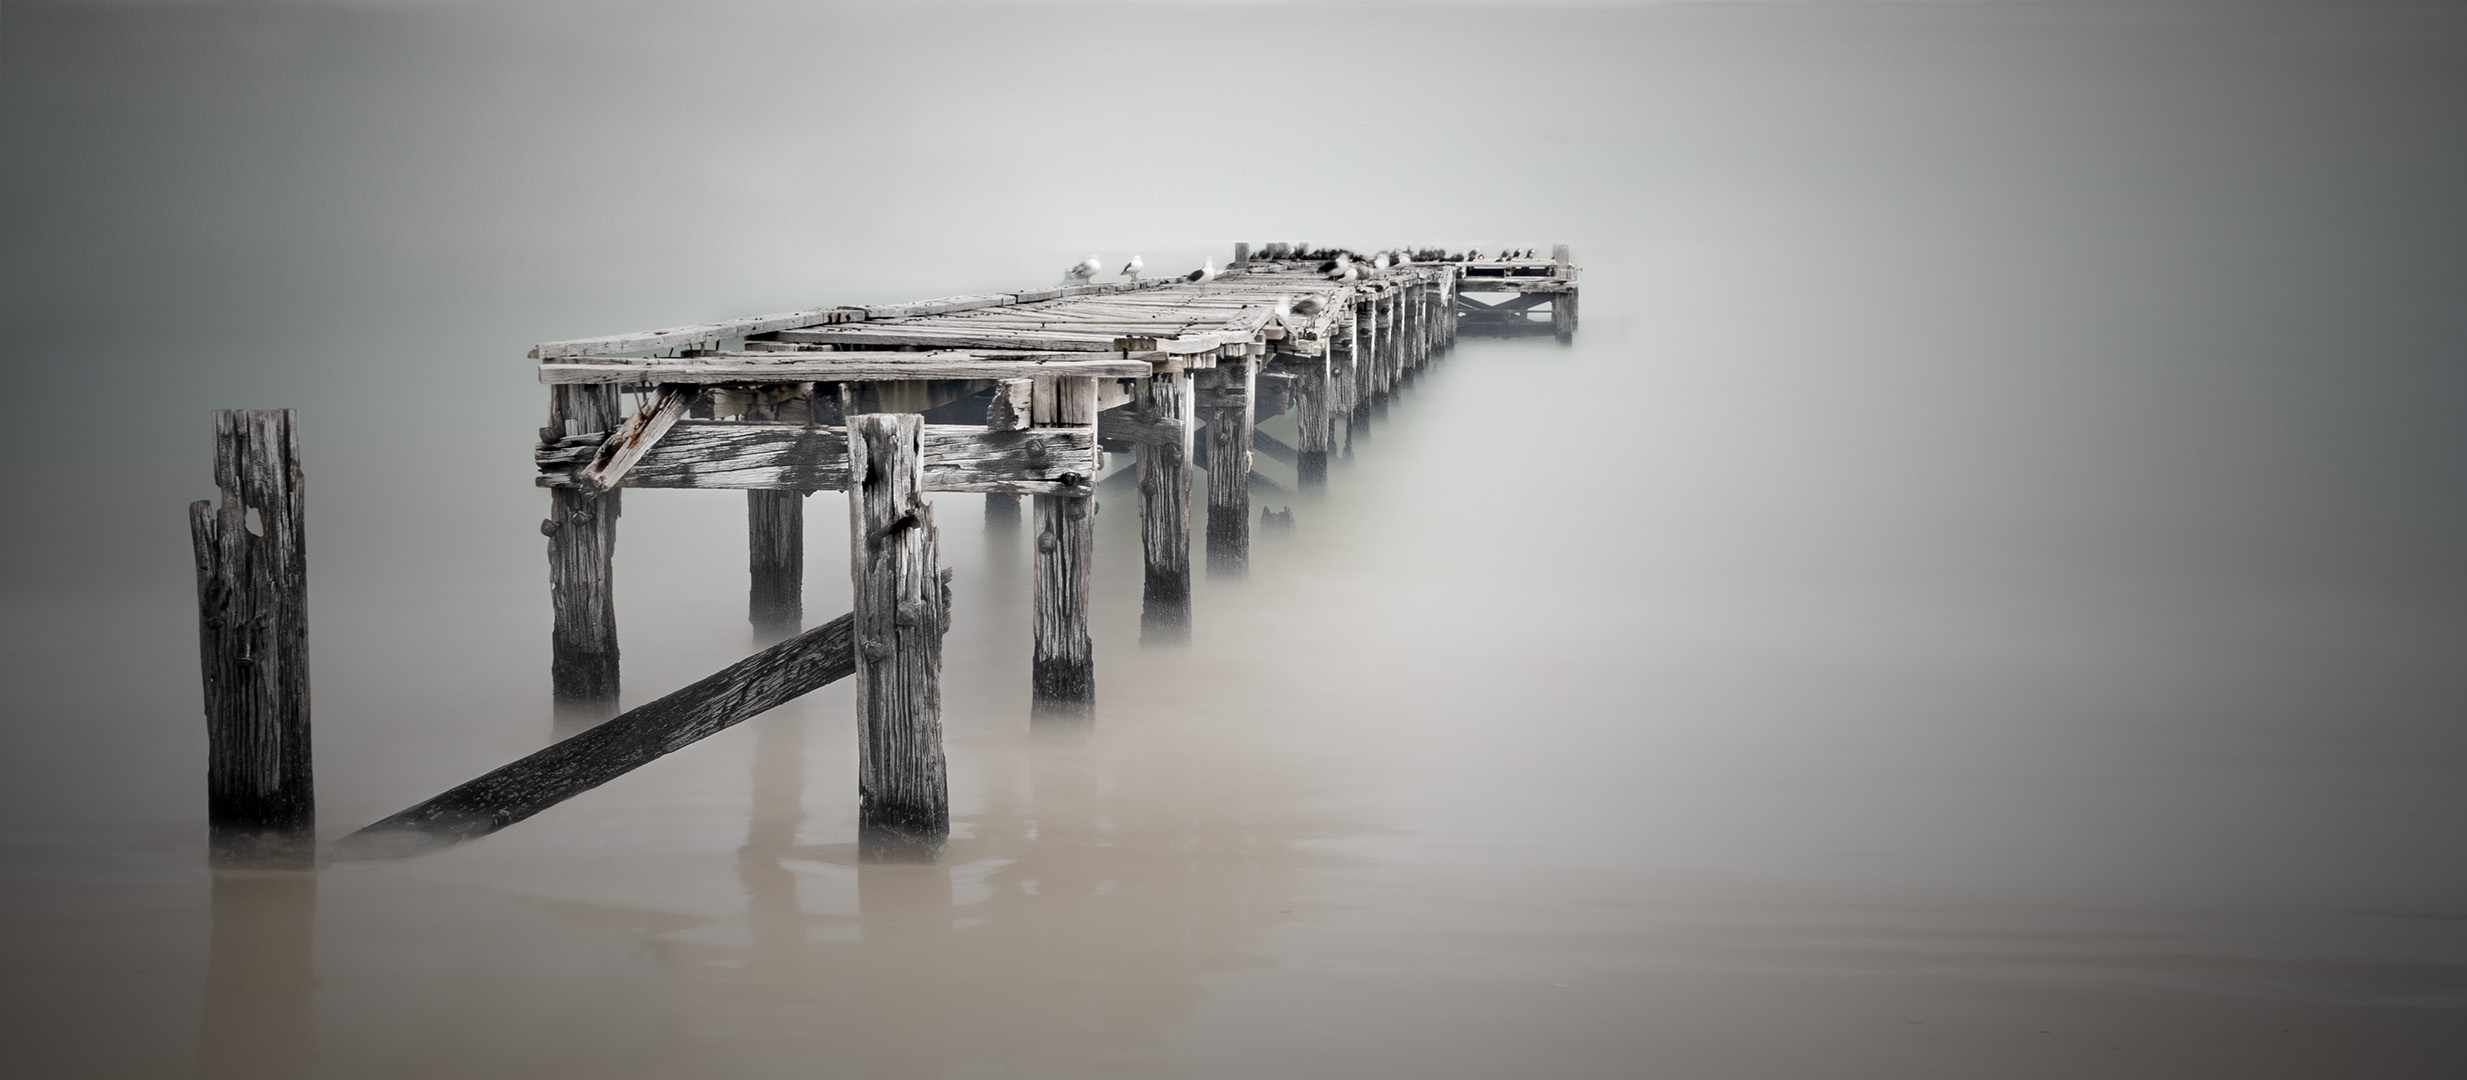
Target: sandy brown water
[(1978, 599)]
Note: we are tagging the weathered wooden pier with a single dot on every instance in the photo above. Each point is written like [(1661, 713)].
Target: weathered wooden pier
[(1008, 394)]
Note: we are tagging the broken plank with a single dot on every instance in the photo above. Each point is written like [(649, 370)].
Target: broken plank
[(511, 793)]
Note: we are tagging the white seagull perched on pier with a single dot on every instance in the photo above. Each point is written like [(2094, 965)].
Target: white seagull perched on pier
[(1085, 269), (1206, 271), (1132, 268)]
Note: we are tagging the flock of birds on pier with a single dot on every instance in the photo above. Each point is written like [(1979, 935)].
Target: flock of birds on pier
[(1336, 264)]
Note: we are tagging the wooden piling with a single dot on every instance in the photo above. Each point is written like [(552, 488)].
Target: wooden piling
[(1063, 665), (902, 609), (1163, 403), (1366, 358), (775, 560), (582, 546), (1311, 413), (1063, 658), (1563, 304), (252, 636), (1225, 406)]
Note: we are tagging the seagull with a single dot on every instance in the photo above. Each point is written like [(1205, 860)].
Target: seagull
[(1206, 271), (1339, 268), (1085, 269), (1132, 268)]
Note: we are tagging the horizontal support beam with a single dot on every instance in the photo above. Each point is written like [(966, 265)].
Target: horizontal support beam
[(772, 367), (728, 455), (1514, 285)]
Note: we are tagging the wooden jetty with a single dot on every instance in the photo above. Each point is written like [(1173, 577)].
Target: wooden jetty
[(1007, 394)]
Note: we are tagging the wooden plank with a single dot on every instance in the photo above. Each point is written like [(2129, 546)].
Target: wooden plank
[(903, 606), (582, 546), (775, 560), (636, 436), (252, 640), (947, 335), (597, 755), (942, 306), (697, 336), (769, 368), (730, 454)]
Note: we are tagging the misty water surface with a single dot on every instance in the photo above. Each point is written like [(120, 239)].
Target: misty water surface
[(1980, 597)]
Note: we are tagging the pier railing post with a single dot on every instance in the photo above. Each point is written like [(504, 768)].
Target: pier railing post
[(1225, 394), (902, 608), (775, 560), (582, 545), (1063, 663), (252, 615), (1164, 401)]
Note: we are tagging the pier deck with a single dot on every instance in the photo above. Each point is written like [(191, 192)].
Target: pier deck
[(1008, 394)]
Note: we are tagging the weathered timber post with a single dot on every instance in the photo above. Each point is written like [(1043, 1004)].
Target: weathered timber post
[(1414, 326), (902, 609), (1563, 303), (252, 637), (1163, 402), (582, 547), (1063, 663), (1342, 377), (775, 560), (1008, 411), (1366, 356), (1392, 339), (1225, 393), (1311, 413)]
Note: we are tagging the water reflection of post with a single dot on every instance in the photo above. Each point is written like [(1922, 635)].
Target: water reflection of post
[(256, 1018), (773, 919)]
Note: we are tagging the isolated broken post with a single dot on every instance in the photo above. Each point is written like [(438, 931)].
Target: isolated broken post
[(902, 608), (252, 636)]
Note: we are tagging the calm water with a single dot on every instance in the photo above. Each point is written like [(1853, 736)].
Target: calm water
[(1981, 596)]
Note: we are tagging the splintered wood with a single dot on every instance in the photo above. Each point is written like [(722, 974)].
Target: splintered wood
[(252, 612), (903, 605)]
